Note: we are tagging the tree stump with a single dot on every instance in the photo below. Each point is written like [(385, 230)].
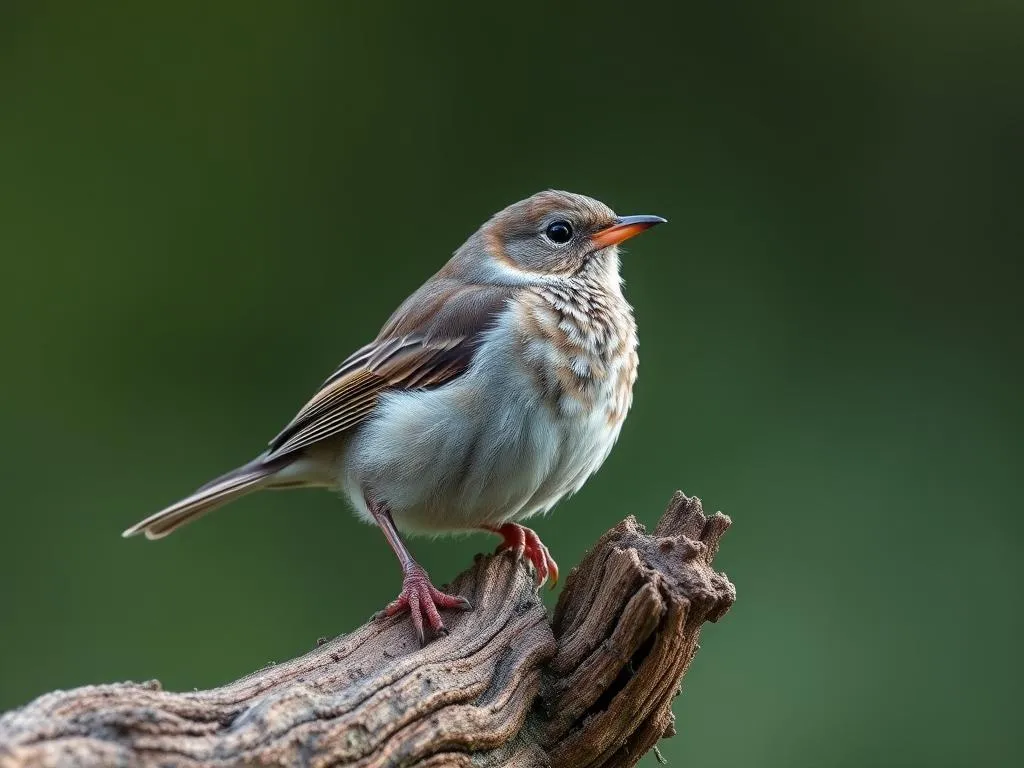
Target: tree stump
[(592, 687)]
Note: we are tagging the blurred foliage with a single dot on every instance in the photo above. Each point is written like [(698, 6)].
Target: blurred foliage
[(204, 207)]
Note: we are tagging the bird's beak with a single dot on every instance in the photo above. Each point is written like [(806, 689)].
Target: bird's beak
[(624, 228)]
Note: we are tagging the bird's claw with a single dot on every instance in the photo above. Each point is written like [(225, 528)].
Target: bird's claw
[(422, 599), (525, 543)]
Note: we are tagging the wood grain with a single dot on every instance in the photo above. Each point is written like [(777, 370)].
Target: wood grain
[(508, 687)]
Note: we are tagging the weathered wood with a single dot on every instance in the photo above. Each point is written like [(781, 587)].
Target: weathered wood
[(506, 688)]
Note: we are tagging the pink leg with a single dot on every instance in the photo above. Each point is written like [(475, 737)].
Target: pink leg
[(418, 595), (524, 542)]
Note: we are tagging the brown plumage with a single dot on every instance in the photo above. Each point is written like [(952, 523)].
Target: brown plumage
[(493, 391)]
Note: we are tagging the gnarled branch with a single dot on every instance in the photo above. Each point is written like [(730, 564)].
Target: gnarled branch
[(506, 688)]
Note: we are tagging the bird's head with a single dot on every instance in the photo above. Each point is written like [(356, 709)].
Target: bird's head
[(553, 233)]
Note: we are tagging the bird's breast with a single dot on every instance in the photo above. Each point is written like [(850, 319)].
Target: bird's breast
[(579, 349)]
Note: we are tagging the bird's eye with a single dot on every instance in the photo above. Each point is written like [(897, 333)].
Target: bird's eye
[(559, 232)]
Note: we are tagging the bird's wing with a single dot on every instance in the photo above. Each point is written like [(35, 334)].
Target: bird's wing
[(430, 341)]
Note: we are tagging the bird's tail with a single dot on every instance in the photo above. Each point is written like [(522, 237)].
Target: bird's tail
[(216, 493)]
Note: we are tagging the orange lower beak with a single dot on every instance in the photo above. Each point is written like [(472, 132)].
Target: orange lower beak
[(624, 228)]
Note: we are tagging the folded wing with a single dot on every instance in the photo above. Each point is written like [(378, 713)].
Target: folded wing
[(430, 341)]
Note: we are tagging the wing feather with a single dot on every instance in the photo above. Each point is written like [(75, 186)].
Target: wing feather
[(416, 351)]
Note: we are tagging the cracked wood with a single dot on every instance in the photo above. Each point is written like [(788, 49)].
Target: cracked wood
[(593, 687)]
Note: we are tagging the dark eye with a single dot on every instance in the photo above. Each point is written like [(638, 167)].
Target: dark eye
[(559, 232)]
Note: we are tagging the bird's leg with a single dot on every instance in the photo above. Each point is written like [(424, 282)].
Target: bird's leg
[(524, 542), (418, 595)]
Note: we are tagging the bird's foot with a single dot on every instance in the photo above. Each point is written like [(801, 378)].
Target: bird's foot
[(523, 542), (422, 599)]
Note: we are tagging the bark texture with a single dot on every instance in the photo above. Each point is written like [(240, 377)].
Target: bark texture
[(508, 687)]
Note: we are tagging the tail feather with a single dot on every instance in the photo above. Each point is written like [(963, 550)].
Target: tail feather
[(216, 493)]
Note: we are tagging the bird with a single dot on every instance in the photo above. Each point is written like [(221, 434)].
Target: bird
[(493, 391)]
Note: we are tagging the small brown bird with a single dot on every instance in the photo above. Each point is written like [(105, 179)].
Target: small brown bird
[(493, 391)]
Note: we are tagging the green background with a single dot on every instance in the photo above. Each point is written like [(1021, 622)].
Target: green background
[(203, 208)]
